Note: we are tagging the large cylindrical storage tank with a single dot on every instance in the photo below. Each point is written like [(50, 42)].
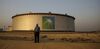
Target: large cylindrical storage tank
[(46, 21)]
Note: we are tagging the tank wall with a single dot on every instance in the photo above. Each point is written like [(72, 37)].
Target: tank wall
[(64, 23), (28, 22), (9, 28)]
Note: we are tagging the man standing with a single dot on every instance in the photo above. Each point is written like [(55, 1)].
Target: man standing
[(36, 33)]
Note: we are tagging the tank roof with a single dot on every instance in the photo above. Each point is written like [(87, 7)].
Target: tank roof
[(43, 14)]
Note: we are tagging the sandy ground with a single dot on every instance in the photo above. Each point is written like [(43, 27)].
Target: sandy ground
[(23, 40), (21, 44)]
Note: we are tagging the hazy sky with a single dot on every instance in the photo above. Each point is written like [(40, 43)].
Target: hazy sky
[(86, 12)]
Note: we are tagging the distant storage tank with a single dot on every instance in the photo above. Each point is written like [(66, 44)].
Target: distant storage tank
[(46, 21)]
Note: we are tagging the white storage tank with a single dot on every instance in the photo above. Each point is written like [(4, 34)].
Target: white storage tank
[(46, 21)]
